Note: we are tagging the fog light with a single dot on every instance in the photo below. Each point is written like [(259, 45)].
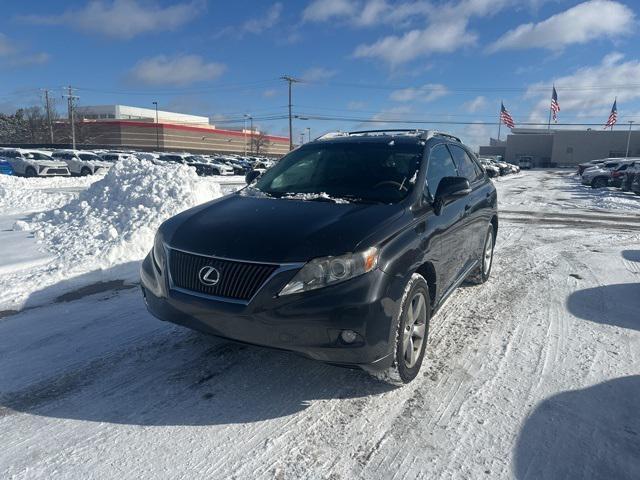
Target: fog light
[(348, 336)]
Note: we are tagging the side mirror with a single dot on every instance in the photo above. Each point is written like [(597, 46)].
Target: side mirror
[(448, 189), (251, 176)]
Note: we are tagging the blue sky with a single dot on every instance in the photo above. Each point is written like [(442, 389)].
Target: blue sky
[(357, 59)]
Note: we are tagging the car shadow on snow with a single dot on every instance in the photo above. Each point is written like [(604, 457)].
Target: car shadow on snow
[(587, 434), (617, 304), (631, 255), (96, 354)]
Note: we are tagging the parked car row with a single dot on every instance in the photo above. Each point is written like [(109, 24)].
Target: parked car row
[(623, 173), (66, 162), (495, 168)]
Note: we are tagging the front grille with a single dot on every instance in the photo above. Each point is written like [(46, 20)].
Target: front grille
[(238, 280), (57, 171)]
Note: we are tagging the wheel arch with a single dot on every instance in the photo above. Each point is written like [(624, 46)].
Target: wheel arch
[(428, 271)]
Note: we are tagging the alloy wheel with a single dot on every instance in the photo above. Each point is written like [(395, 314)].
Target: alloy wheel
[(488, 253), (414, 330)]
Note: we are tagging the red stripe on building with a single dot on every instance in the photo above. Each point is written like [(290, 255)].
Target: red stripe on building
[(186, 128)]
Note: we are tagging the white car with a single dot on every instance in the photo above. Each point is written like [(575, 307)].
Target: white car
[(34, 163), (600, 175), (82, 163), (152, 157)]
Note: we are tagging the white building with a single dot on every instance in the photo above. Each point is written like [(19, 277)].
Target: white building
[(124, 112)]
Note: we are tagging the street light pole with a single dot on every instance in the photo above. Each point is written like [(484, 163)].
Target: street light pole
[(157, 126), (628, 139)]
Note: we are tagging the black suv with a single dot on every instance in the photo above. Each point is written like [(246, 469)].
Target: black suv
[(341, 252)]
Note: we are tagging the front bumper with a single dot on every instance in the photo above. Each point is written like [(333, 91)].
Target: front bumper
[(309, 323), (54, 172)]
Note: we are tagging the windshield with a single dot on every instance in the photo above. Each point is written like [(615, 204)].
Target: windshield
[(358, 171), (89, 156), (37, 156)]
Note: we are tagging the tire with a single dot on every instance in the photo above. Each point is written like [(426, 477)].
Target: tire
[(30, 172), (412, 331), (483, 271), (599, 182), (85, 171)]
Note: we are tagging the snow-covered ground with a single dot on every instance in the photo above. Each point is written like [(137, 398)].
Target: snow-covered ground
[(535, 374)]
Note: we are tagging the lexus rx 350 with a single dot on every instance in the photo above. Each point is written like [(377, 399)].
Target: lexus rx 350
[(342, 252)]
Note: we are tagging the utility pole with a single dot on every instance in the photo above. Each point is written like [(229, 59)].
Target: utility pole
[(628, 139), (157, 126), (251, 133), (48, 109), (245, 133), (290, 80), (70, 99)]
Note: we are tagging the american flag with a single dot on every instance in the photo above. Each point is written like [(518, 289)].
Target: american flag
[(505, 117), (555, 106), (613, 116)]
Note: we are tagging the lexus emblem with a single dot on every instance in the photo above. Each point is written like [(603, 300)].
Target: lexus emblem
[(209, 276)]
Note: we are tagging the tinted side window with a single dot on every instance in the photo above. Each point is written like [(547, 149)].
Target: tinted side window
[(466, 167), (440, 165)]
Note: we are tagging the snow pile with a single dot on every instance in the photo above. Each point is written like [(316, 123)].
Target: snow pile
[(115, 219), (35, 194)]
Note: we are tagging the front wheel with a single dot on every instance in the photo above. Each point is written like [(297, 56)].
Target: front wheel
[(30, 172), (482, 272), (411, 333), (599, 182), (85, 171)]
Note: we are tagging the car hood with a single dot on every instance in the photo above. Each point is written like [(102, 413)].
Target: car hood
[(275, 230), (596, 171), (48, 163)]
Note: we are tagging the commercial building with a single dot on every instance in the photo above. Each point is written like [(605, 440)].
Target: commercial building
[(121, 126), (563, 147)]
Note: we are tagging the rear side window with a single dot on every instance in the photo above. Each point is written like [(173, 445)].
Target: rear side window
[(440, 165), (466, 166)]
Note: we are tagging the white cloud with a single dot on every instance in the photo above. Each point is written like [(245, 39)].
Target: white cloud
[(585, 93), (254, 26), (269, 20), (577, 25), (478, 103), (272, 92), (317, 74), (175, 71), (476, 134), (323, 10), (6, 47), (122, 18), (426, 93), (15, 56), (438, 37), (356, 105)]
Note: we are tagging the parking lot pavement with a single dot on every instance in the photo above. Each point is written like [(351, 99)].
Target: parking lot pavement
[(531, 375)]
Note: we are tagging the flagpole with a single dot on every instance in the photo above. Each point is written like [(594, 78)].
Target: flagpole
[(499, 121), (549, 121)]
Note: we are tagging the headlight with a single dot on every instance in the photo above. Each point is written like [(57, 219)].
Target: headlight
[(322, 272), (158, 252)]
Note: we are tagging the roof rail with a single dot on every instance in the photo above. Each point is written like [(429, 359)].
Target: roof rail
[(424, 134), (417, 132), (405, 131)]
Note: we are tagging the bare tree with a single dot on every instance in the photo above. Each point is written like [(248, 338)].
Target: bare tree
[(259, 143)]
